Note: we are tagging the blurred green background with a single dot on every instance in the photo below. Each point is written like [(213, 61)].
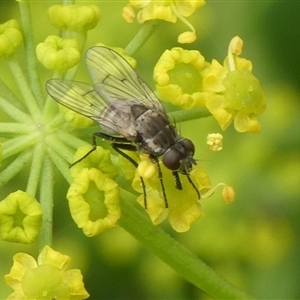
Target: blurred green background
[(254, 242)]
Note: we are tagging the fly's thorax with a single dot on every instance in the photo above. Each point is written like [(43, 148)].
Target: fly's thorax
[(116, 119), (155, 132), (179, 157)]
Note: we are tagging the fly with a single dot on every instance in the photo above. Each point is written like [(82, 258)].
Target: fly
[(128, 112)]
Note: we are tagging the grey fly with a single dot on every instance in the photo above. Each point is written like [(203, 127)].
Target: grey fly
[(128, 112)]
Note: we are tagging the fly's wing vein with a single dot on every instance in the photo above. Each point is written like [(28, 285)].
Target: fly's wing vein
[(116, 88), (114, 118), (114, 79), (78, 96)]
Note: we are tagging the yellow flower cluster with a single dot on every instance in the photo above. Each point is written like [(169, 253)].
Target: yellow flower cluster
[(46, 278), (93, 195), (229, 91), (10, 38), (20, 218), (179, 75), (167, 10), (215, 141), (74, 17), (183, 206), (61, 54), (58, 54)]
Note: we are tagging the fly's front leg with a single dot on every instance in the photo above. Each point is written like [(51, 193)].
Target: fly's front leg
[(193, 185), (155, 159), (178, 184)]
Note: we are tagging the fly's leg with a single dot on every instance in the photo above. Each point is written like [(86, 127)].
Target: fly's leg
[(94, 144), (118, 143), (155, 159), (193, 185), (178, 184), (118, 147)]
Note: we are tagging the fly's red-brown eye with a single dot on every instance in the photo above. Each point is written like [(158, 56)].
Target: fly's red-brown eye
[(188, 145), (171, 159)]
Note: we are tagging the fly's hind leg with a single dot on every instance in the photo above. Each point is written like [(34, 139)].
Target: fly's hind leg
[(94, 144), (118, 144)]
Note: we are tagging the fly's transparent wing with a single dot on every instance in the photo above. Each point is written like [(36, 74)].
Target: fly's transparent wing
[(114, 118), (78, 96), (114, 79)]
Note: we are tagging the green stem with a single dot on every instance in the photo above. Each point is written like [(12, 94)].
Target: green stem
[(180, 116), (51, 108), (46, 200), (25, 89), (18, 144), (70, 139), (36, 167), (15, 167), (29, 43), (57, 121), (7, 94), (13, 112), (141, 37), (137, 223), (60, 164), (59, 147), (16, 128)]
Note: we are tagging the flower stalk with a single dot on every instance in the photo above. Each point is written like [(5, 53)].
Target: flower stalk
[(47, 202), (29, 45), (141, 37), (173, 253)]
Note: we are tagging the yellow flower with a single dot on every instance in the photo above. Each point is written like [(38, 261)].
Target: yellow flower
[(126, 168), (74, 17), (10, 38), (167, 10), (230, 91), (187, 37), (99, 159), (94, 201), (215, 141), (179, 77), (228, 194), (20, 218), (58, 54), (46, 278), (128, 13), (235, 93), (183, 205)]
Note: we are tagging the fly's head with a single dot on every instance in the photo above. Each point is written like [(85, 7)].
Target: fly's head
[(180, 157)]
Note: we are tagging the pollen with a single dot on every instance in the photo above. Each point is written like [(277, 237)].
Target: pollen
[(146, 169), (215, 141)]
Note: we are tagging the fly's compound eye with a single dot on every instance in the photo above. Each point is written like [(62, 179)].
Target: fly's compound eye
[(188, 145), (171, 160)]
